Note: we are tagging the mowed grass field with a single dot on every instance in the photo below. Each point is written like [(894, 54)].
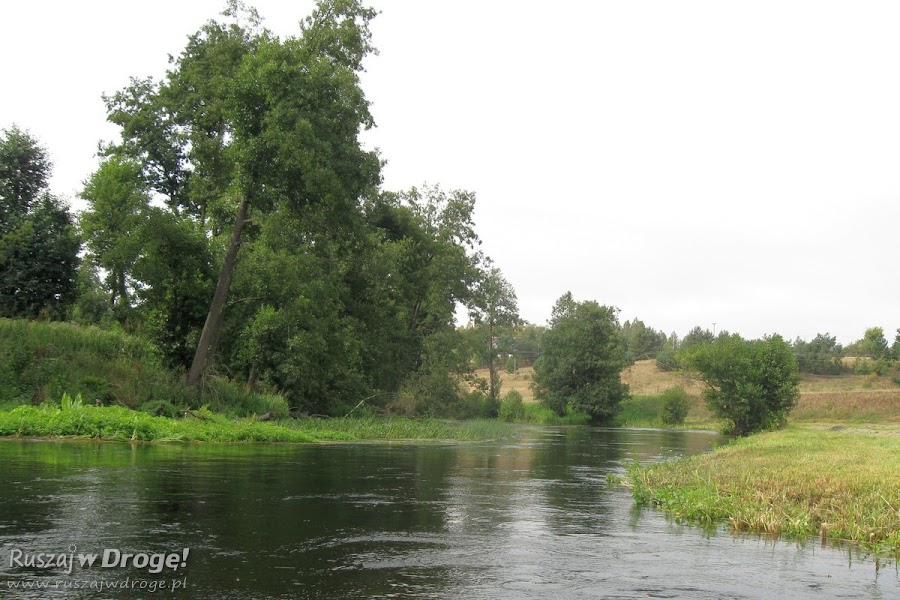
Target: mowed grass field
[(823, 399)]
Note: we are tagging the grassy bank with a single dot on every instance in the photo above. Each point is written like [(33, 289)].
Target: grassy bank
[(118, 423), (799, 482), (646, 411), (39, 362)]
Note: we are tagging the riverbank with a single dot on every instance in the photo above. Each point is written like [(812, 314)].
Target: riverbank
[(118, 423), (837, 483)]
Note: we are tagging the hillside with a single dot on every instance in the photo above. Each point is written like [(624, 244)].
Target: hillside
[(856, 398)]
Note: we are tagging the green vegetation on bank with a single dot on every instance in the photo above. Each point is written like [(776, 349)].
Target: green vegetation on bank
[(72, 418), (798, 482), (39, 362)]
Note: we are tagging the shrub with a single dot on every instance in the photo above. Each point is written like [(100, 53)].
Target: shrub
[(512, 408), (160, 408), (863, 366), (230, 398), (675, 406), (666, 360), (753, 384)]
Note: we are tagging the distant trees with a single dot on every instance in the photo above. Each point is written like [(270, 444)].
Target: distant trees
[(873, 345), (38, 241), (582, 359), (641, 342), (821, 356), (752, 385)]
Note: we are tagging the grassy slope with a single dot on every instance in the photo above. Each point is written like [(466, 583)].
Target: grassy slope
[(803, 481), (846, 398), (841, 399)]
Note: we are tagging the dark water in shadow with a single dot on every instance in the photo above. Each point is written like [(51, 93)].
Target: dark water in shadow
[(530, 519)]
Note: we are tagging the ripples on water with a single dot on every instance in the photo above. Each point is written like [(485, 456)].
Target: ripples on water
[(534, 519)]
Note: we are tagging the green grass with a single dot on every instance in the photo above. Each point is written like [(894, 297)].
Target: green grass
[(798, 482), (39, 362), (73, 419), (118, 423), (640, 411)]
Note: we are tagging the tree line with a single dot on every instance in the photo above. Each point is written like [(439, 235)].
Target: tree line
[(240, 226)]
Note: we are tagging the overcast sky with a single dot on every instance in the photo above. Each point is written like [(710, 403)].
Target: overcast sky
[(691, 163)]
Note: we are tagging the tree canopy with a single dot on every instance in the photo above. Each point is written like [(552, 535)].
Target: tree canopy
[(752, 385), (38, 242), (582, 360)]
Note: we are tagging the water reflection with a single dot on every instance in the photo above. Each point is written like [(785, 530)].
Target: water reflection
[(533, 518)]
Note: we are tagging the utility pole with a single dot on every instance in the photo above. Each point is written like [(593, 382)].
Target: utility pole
[(714, 329)]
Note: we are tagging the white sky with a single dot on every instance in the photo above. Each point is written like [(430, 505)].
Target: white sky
[(692, 163)]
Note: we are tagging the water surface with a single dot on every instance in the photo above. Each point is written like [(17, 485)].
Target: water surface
[(533, 518)]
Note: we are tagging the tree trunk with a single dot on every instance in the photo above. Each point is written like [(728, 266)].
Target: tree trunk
[(252, 379), (492, 371), (213, 326)]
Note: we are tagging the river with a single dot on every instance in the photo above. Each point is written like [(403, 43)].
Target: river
[(533, 518)]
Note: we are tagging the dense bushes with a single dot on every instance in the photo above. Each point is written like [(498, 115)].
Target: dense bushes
[(39, 362), (675, 406)]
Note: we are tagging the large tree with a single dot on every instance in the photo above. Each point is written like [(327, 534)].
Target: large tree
[(118, 206), (582, 359), (245, 122), (38, 242), (752, 385)]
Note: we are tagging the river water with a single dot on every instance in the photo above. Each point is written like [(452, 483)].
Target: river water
[(534, 518)]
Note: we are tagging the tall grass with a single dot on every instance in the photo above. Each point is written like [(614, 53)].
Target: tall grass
[(73, 418), (798, 482), (640, 411), (39, 362), (118, 423)]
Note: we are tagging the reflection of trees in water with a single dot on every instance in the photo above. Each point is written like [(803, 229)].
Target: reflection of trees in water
[(357, 520)]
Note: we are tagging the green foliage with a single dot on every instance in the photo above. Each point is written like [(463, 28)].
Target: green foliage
[(753, 385), (38, 243), (539, 414), (118, 202), (231, 399), (118, 423), (494, 308), (24, 172), (872, 345), (67, 402), (160, 408), (639, 411), (667, 360), (511, 407), (773, 483), (696, 337), (863, 366), (43, 361), (641, 342), (476, 404), (821, 356), (39, 263), (675, 406), (582, 360)]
